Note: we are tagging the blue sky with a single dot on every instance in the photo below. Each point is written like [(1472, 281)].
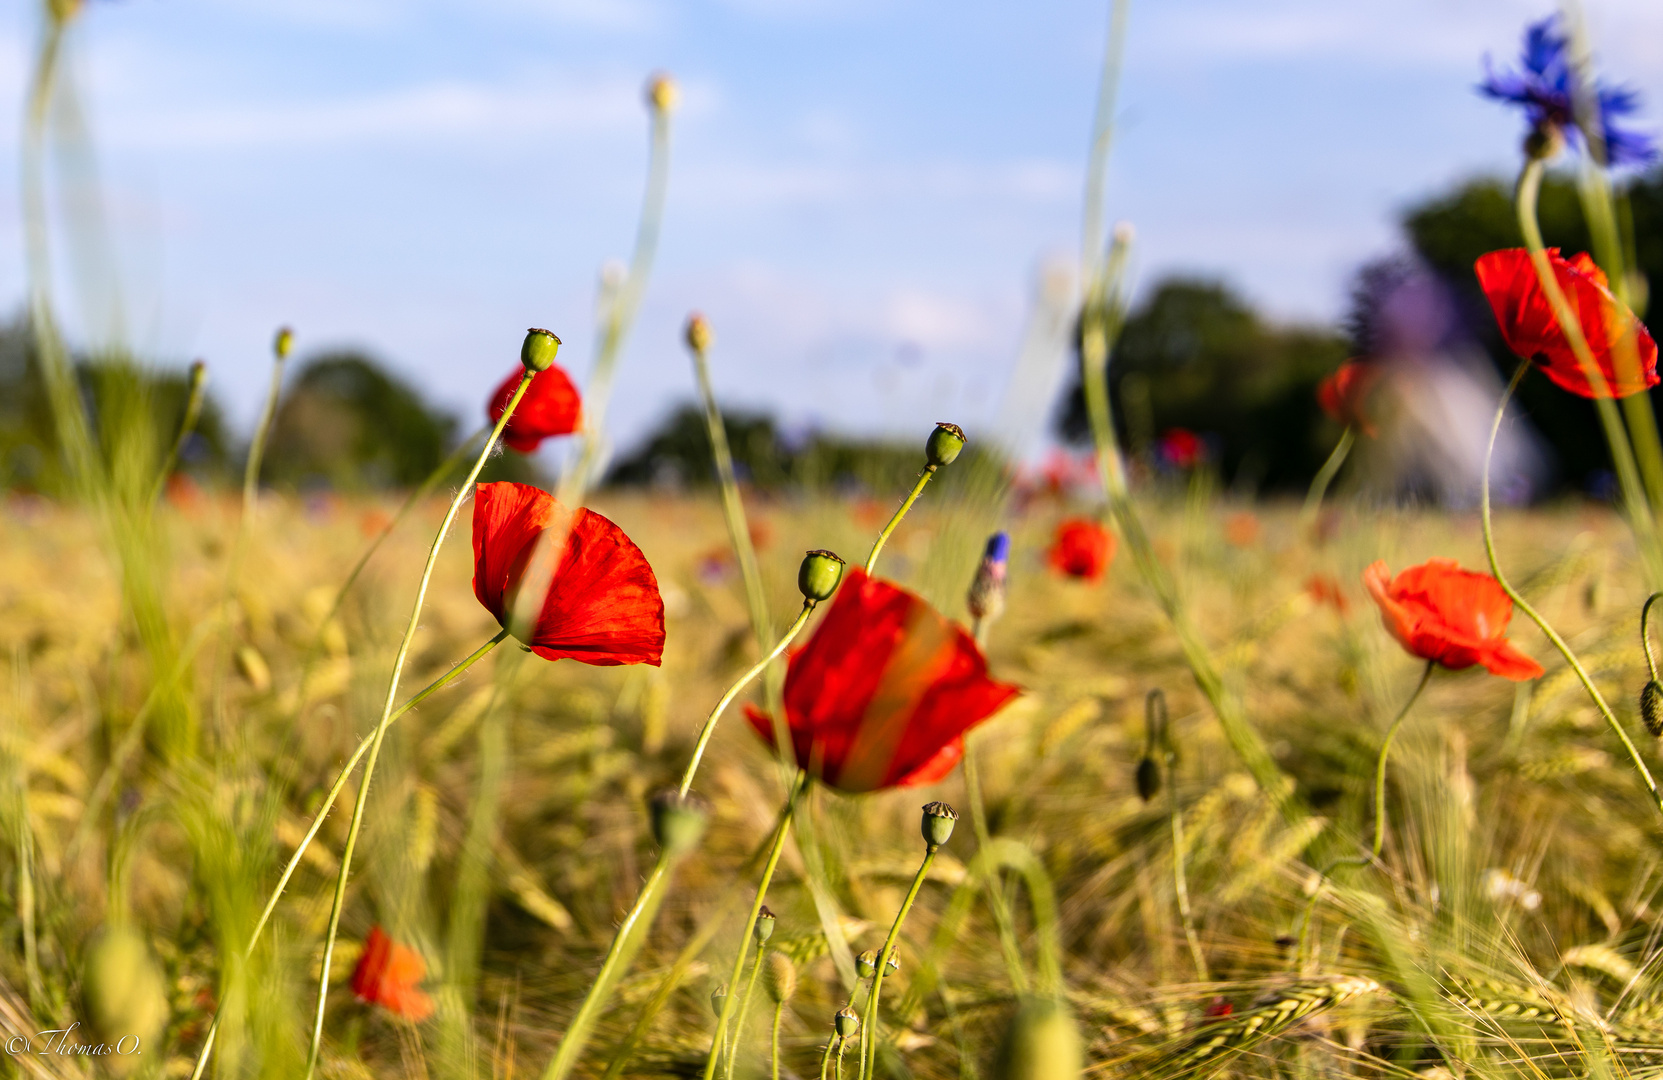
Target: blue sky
[(862, 197)]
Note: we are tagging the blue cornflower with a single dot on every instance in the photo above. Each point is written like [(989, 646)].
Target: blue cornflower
[(987, 589), (1545, 88)]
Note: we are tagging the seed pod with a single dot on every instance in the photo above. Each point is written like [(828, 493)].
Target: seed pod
[(698, 333), (678, 821), (538, 350), (764, 925), (847, 1022), (1041, 1043), (1651, 708), (717, 997), (1149, 778), (124, 991), (938, 822), (819, 575), (662, 92), (779, 976), (866, 964), (944, 444), (283, 343), (892, 965)]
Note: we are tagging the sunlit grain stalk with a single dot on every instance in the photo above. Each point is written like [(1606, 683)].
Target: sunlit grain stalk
[(1158, 725), (1385, 750), (386, 719), (1524, 605), (745, 1005), (781, 831)]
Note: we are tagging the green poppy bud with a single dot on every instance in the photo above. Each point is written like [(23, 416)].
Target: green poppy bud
[(124, 990), (1651, 708), (779, 976), (1149, 778), (944, 445), (847, 1022), (937, 826), (538, 350), (678, 821), (866, 964), (717, 997), (699, 335), (819, 575), (764, 925), (662, 92), (283, 343), (1041, 1043)]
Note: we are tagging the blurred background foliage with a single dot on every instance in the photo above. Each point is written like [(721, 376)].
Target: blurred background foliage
[(1195, 355)]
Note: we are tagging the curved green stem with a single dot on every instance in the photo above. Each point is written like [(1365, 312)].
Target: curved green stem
[(758, 668), (1535, 617), (825, 1059), (1325, 476), (323, 812), (1180, 879), (193, 410), (868, 1029), (996, 900), (745, 1008), (912, 497), (781, 831), (1316, 894), (386, 720), (1645, 637), (1386, 749)]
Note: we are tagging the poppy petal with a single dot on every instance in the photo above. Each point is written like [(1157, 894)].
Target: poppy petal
[(549, 407), (506, 518)]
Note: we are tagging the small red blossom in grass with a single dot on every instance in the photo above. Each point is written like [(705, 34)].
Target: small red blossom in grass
[(373, 521), (1622, 348), (1082, 548), (389, 975), (1182, 448), (1438, 611), (1218, 1008), (883, 693), (1325, 589), (602, 606), (1344, 395), (183, 493), (1241, 529), (551, 406)]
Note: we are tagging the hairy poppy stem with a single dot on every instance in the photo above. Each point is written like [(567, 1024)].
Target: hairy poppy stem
[(1386, 749), (868, 1029), (709, 728), (912, 497), (1645, 635), (386, 721), (774, 1042), (1325, 476), (323, 812), (1535, 617), (997, 902), (825, 1059), (781, 831), (745, 1007)]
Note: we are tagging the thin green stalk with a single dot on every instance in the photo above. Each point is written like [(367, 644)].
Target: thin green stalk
[(619, 316), (825, 1059), (709, 728), (386, 720), (1385, 750), (733, 507), (774, 1041), (996, 900), (193, 410), (781, 831), (1523, 605), (1180, 879), (842, 1044), (868, 1025), (1325, 476), (1100, 322), (1640, 516), (912, 497), (1102, 138), (745, 1008)]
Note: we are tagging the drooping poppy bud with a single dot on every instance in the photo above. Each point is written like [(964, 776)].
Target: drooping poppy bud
[(937, 826), (1651, 708), (764, 926), (944, 444), (1041, 1043), (678, 821), (1148, 778), (847, 1022), (819, 575), (539, 349)]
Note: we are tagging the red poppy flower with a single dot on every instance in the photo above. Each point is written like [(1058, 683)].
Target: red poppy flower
[(1082, 548), (602, 606), (1528, 323), (1441, 612), (389, 975), (1324, 589), (1344, 394), (551, 406), (883, 693), (1182, 448)]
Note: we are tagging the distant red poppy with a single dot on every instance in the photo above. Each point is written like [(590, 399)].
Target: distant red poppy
[(1182, 448), (389, 975), (602, 606), (551, 406), (883, 693), (1528, 323), (1344, 395), (1325, 589), (1242, 529), (1458, 618), (1083, 548)]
